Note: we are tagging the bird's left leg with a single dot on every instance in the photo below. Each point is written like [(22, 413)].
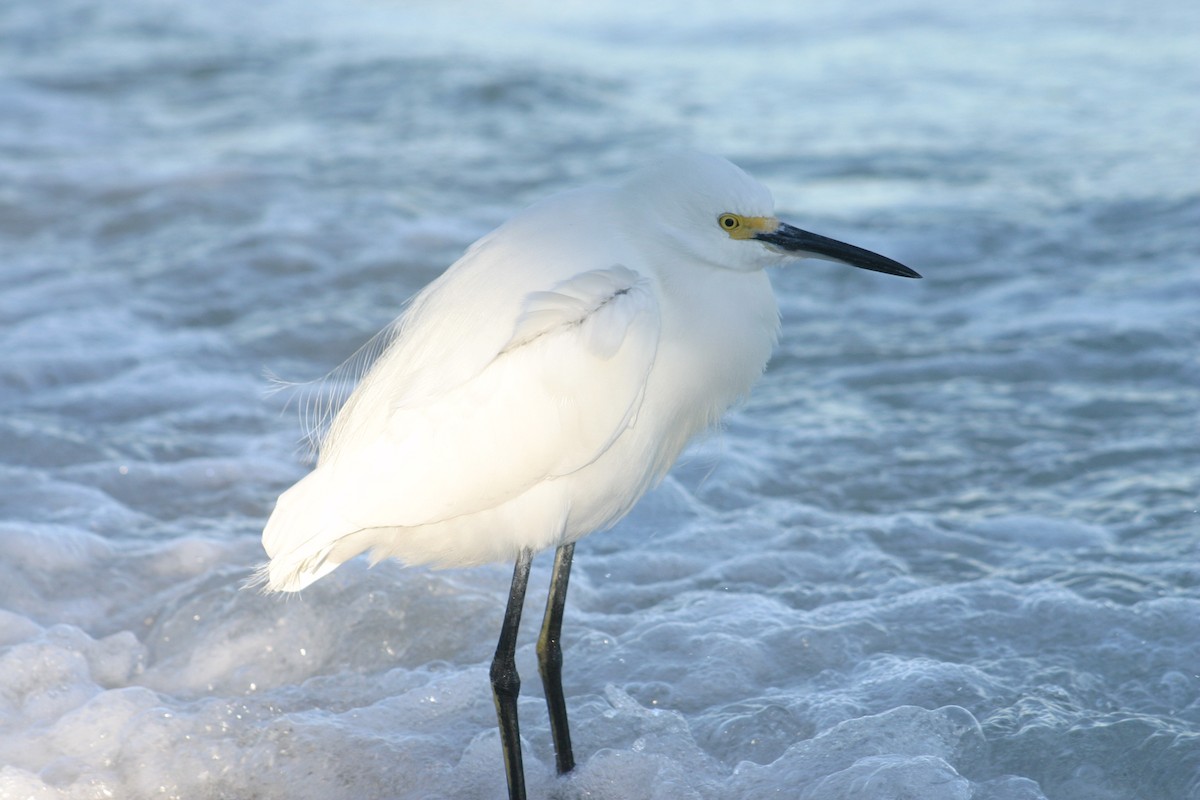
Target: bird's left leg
[(549, 650), (506, 683)]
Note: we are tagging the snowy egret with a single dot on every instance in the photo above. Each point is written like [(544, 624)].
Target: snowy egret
[(532, 393)]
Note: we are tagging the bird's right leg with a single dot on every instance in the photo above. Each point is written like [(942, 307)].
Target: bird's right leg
[(549, 650), (506, 683)]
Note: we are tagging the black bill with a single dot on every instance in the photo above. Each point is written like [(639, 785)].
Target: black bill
[(795, 240)]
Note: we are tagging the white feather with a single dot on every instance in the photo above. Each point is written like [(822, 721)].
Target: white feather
[(543, 383)]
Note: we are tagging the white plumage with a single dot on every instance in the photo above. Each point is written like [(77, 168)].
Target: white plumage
[(534, 391), (539, 387)]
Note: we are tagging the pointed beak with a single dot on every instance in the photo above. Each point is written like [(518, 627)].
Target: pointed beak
[(800, 242)]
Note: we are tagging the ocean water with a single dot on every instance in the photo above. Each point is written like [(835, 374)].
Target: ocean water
[(949, 549)]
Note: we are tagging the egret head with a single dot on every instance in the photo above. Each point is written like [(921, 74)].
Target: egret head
[(721, 215)]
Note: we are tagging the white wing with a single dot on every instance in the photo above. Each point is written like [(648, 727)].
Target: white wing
[(553, 398)]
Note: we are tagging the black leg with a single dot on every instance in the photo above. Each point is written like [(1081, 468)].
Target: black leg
[(549, 650), (506, 683)]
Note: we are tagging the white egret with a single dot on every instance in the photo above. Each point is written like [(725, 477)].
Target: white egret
[(532, 393)]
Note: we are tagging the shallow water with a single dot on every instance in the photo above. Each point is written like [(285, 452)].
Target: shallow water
[(947, 550)]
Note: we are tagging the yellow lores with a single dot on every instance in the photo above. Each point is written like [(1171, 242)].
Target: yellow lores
[(739, 227)]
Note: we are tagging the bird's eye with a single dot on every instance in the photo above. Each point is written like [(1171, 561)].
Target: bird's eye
[(729, 221)]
